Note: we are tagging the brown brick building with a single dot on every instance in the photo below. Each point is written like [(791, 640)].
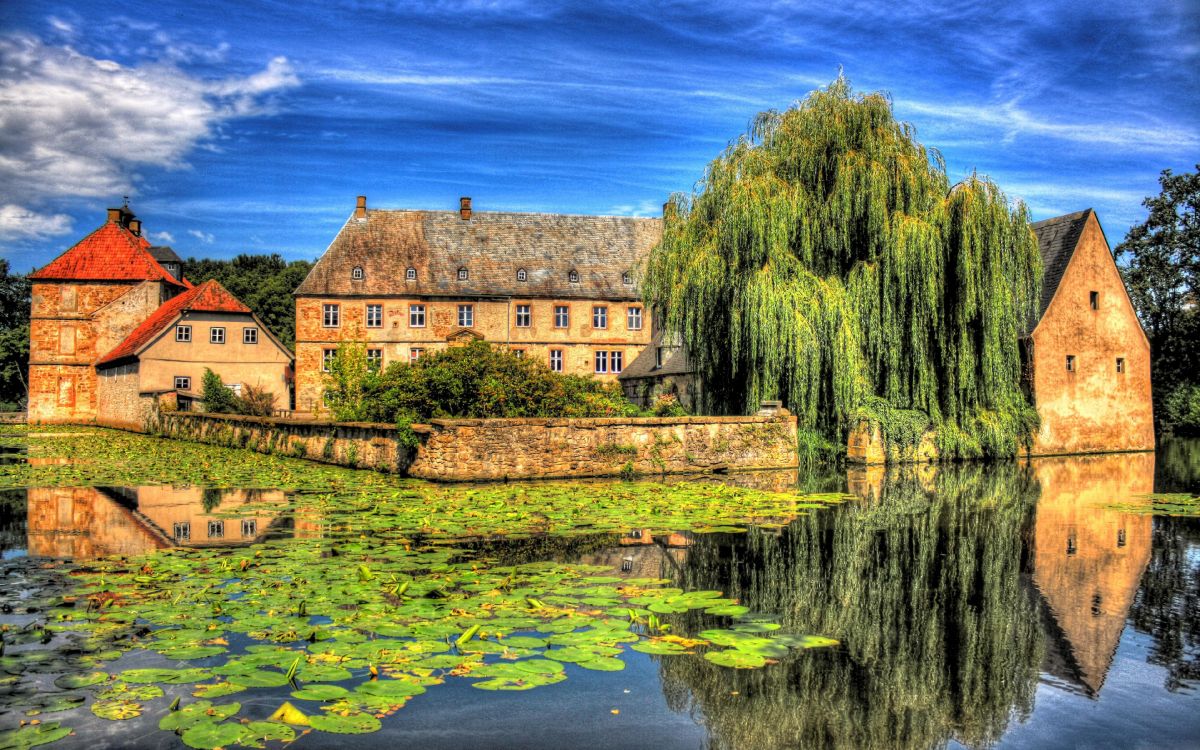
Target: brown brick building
[(1088, 358), (556, 287)]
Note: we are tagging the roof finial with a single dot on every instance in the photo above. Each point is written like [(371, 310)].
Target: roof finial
[(125, 203)]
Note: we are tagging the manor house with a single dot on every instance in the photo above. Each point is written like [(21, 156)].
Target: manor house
[(115, 326), (404, 283)]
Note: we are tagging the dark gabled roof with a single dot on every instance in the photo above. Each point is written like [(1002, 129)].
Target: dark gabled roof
[(111, 253), (164, 254), (492, 247), (1057, 240), (675, 361)]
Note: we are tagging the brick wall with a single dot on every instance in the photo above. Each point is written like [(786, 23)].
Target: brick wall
[(118, 401)]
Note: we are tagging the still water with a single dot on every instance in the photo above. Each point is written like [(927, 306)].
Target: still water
[(981, 605)]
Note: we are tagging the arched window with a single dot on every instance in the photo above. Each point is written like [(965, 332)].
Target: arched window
[(462, 274), (521, 276), (411, 274), (573, 277), (357, 273), (626, 278)]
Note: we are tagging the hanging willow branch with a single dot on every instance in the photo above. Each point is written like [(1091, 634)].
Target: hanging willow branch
[(825, 260)]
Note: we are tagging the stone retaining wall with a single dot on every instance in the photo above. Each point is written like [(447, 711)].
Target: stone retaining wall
[(457, 450)]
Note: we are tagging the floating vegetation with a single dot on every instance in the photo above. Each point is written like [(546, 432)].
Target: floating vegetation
[(1162, 504), (388, 588)]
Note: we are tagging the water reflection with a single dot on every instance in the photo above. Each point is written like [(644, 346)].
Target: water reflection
[(88, 522)]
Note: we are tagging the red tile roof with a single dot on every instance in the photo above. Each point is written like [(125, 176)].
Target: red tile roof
[(208, 297), (111, 253)]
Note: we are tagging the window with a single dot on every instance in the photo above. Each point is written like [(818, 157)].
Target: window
[(519, 353), (1070, 363), (216, 335), (562, 316), (462, 274), (66, 390), (235, 387), (599, 317), (556, 360), (183, 383), (333, 316), (466, 316), (1094, 300), (249, 335), (601, 362), (66, 339), (327, 356), (626, 278), (374, 316), (249, 528), (411, 274), (183, 333), (616, 359), (1120, 364), (521, 275), (182, 532), (658, 358), (573, 277), (416, 316), (415, 354), (523, 316), (634, 319), (357, 273), (216, 529), (374, 359), (68, 301)]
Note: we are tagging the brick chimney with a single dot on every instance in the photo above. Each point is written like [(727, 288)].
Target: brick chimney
[(135, 226), (464, 208), (114, 215), (360, 209)]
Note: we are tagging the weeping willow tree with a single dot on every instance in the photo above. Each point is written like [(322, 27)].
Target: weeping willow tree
[(825, 260)]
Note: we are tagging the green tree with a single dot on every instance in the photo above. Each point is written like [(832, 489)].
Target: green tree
[(14, 336), (264, 282), (826, 259), (218, 398), (1162, 272)]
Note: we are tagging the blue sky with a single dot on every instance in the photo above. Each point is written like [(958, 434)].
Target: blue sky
[(250, 126)]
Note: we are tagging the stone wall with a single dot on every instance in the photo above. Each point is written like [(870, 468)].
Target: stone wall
[(498, 449)]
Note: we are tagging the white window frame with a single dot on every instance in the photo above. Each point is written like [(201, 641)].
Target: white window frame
[(562, 316), (327, 356), (518, 353), (183, 383), (601, 362), (599, 317), (182, 531), (626, 278), (416, 316), (556, 360), (415, 353), (616, 361), (521, 275), (633, 318), (410, 274), (463, 274), (357, 273), (375, 361), (331, 316), (524, 316), (466, 316), (250, 335), (216, 335), (218, 527), (183, 334), (377, 317), (249, 528), (573, 277)]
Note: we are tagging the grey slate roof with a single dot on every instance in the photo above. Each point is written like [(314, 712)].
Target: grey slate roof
[(675, 360), (1057, 240), (492, 247), (164, 254)]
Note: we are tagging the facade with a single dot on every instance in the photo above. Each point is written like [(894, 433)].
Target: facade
[(203, 328), (85, 302), (404, 283), (663, 368), (1088, 360)]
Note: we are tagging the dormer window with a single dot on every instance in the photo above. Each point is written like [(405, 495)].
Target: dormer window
[(357, 273), (626, 278), (462, 274), (573, 277), (411, 274), (521, 275)]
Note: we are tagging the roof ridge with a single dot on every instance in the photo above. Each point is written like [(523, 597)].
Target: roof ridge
[(475, 212)]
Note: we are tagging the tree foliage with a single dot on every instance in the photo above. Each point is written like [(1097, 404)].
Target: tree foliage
[(14, 336), (218, 398), (1162, 273), (825, 259), (264, 282)]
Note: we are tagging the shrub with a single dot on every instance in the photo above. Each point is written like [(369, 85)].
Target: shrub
[(255, 402), (1181, 410), (218, 399), (667, 405)]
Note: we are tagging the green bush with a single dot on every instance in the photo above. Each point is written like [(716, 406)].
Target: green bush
[(476, 381), (1181, 410), (218, 399), (256, 402)]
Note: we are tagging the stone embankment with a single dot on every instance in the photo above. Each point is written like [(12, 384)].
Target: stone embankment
[(455, 450)]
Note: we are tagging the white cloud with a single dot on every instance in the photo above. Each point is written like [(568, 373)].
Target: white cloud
[(73, 125), (162, 237), (206, 237), (20, 223)]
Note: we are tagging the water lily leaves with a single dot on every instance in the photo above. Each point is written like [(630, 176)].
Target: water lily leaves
[(207, 735), (254, 733), (124, 691), (259, 678), (165, 676), (289, 714), (217, 689), (117, 709), (570, 654), (193, 652), (736, 659), (603, 664), (55, 702), (196, 713), (86, 679), (390, 688), (32, 736), (349, 723), (731, 610), (320, 693), (662, 648)]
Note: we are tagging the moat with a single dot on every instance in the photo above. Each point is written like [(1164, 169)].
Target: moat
[(1039, 604)]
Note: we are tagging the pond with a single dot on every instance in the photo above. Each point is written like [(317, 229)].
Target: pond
[(163, 594)]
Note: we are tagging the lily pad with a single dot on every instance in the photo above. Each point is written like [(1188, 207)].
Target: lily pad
[(73, 681), (736, 659), (208, 735), (351, 723), (116, 710)]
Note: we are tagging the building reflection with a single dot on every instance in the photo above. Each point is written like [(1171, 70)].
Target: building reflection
[(1087, 560), (88, 522)]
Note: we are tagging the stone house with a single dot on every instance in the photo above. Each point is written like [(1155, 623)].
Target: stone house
[(1087, 358), (663, 368), (402, 282), (99, 312), (205, 327)]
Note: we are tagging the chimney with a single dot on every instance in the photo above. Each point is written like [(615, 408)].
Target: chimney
[(360, 209), (464, 208), (114, 215), (135, 226)]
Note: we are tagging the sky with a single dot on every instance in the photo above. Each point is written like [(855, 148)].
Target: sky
[(250, 126)]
